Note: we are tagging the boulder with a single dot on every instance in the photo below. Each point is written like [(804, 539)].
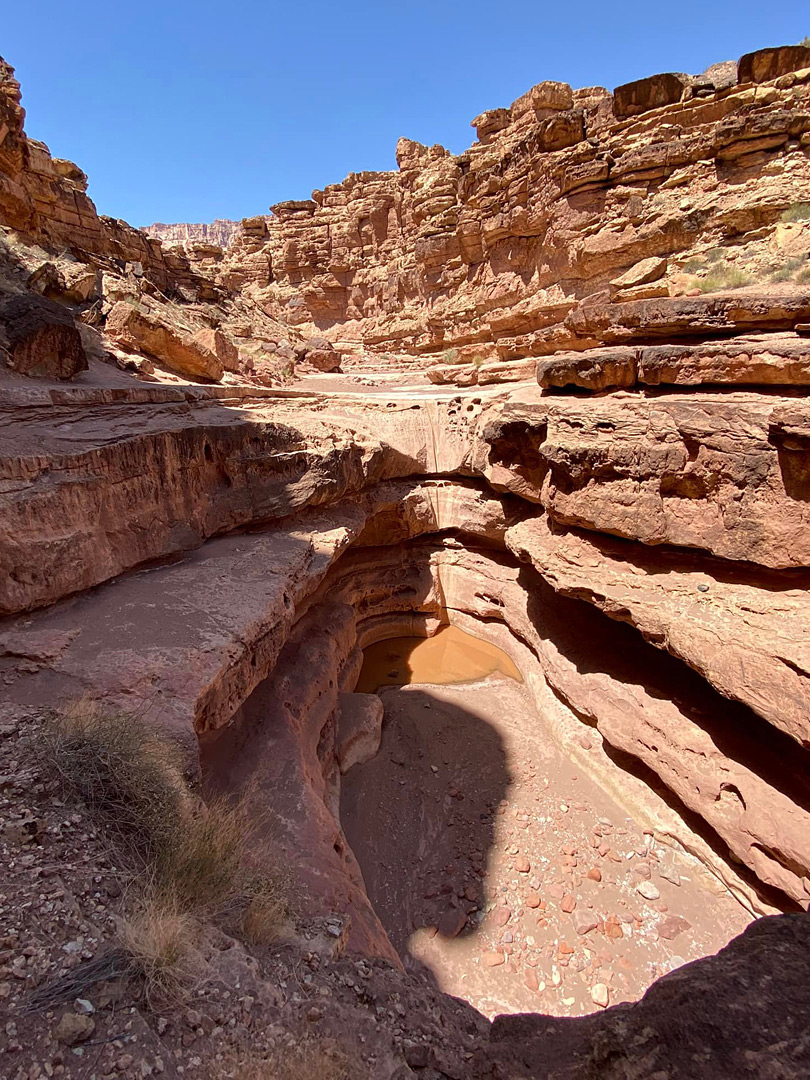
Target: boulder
[(640, 96), (319, 353), (82, 283), (596, 369), (766, 64), (72, 282), (641, 274), (221, 346), (140, 331), (41, 338), (360, 718)]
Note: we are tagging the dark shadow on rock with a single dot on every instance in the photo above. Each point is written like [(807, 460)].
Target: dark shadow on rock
[(743, 1012), (420, 815), (595, 643)]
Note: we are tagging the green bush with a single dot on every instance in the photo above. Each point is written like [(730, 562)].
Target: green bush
[(797, 212), (788, 270), (725, 277)]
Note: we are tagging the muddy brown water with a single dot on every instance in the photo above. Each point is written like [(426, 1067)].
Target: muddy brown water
[(450, 656), (476, 835)]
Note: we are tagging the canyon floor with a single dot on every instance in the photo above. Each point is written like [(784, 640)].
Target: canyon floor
[(497, 865)]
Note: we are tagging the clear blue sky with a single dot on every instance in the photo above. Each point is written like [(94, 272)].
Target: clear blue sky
[(187, 111)]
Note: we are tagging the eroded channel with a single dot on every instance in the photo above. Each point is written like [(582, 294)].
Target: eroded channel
[(497, 863)]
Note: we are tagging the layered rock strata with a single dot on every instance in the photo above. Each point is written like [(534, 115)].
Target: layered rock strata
[(744, 640), (569, 200), (608, 478), (220, 232)]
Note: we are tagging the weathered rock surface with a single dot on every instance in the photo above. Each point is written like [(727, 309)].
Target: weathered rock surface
[(133, 329), (41, 338), (748, 643), (650, 93), (766, 64), (703, 471), (695, 1021), (359, 723), (755, 360)]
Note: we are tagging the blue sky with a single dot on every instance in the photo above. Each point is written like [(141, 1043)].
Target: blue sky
[(187, 111)]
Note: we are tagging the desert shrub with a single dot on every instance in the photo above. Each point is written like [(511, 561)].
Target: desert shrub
[(160, 942), (796, 212), (450, 356), (479, 360), (692, 266), (787, 271), (728, 277), (806, 42), (128, 776), (190, 855), (803, 276), (715, 254)]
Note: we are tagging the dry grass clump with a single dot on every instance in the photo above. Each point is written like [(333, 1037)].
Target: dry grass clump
[(727, 277), (451, 356), (265, 909), (190, 855), (160, 942), (310, 1059), (199, 868), (128, 776)]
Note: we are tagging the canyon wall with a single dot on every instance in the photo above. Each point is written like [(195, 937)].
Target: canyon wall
[(220, 232), (572, 418), (569, 201)]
